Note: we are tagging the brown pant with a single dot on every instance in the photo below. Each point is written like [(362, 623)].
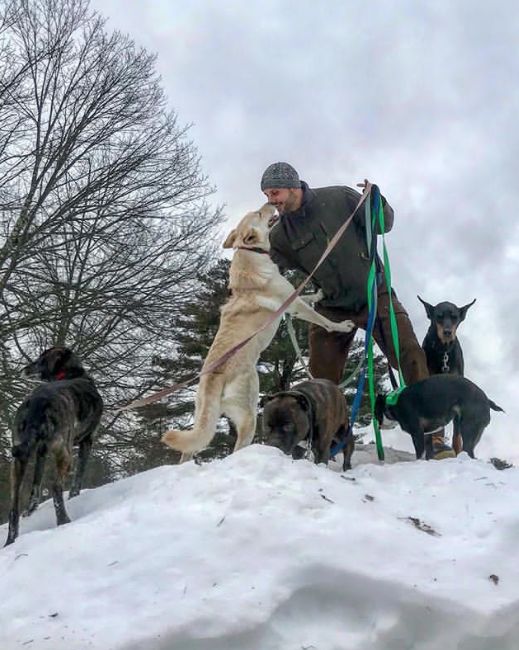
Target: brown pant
[(329, 350)]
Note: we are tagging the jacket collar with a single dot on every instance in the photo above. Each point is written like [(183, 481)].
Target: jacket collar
[(308, 197)]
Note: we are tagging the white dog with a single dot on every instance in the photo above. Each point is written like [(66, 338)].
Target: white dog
[(257, 290)]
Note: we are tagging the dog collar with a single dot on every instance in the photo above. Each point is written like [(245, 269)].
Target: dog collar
[(253, 249), (392, 397), (60, 375)]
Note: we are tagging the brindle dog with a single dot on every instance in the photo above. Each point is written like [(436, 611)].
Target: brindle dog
[(313, 411), (63, 411)]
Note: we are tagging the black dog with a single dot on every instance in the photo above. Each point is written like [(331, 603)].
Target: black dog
[(442, 347), (432, 403), (63, 411), (313, 411)]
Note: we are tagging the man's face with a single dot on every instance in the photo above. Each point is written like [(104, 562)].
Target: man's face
[(284, 199)]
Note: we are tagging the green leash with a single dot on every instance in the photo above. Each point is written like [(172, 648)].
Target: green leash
[(377, 214)]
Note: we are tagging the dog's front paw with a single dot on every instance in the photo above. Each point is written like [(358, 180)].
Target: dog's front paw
[(344, 326)]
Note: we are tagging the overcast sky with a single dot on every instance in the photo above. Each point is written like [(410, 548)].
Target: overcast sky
[(420, 97)]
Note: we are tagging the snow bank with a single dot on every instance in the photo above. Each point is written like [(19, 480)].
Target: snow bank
[(260, 552)]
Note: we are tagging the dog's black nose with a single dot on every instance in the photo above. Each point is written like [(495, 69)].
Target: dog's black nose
[(447, 333)]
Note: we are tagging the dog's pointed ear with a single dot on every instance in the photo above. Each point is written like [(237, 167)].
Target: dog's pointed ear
[(231, 237), (464, 309), (429, 309)]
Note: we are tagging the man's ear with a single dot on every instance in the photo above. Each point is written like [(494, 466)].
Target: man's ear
[(231, 237), (429, 309)]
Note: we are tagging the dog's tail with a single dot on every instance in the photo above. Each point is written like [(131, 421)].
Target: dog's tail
[(207, 413), (494, 406)]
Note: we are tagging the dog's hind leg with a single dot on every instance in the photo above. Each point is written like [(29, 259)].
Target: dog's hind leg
[(245, 422), (208, 410), (472, 424), (21, 458), (62, 458), (39, 467), (457, 440), (239, 404), (85, 447), (348, 448)]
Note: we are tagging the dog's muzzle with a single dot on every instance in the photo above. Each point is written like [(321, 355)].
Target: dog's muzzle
[(273, 220)]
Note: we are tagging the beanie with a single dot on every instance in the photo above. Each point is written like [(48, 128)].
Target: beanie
[(279, 175)]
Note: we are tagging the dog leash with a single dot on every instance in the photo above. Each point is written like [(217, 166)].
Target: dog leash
[(368, 338), (374, 212), (293, 338), (232, 351)]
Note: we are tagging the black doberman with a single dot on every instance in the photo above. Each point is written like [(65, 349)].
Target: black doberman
[(430, 404), (442, 347)]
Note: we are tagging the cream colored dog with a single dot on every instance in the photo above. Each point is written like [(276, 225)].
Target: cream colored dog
[(257, 289)]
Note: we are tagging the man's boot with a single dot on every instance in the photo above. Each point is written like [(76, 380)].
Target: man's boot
[(436, 448)]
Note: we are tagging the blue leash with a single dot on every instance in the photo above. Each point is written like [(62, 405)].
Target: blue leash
[(357, 400)]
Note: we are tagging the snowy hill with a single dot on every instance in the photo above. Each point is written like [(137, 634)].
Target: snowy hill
[(259, 552)]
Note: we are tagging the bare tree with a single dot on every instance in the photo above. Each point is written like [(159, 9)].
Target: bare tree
[(104, 223)]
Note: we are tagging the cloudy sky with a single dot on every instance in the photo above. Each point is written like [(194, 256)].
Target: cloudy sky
[(421, 98)]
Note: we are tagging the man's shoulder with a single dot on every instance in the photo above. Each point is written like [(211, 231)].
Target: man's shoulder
[(336, 191)]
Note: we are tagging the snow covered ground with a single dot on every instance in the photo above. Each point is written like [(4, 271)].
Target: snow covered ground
[(259, 552)]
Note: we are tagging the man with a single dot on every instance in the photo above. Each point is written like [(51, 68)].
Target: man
[(309, 218)]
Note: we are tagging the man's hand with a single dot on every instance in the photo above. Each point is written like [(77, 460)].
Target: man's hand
[(364, 184)]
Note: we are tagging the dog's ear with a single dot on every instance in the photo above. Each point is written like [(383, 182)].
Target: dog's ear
[(464, 309), (231, 237), (303, 402), (429, 309), (251, 237)]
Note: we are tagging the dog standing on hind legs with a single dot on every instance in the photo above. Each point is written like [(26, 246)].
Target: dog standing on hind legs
[(443, 350), (60, 413), (257, 290)]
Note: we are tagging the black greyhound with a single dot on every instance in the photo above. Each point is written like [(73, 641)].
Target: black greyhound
[(63, 411), (442, 347), (432, 403)]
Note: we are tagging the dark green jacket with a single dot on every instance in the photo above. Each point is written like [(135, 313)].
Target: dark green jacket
[(299, 239)]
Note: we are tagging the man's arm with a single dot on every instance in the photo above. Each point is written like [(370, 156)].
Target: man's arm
[(389, 216)]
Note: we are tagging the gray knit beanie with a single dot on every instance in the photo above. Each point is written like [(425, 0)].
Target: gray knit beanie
[(279, 175)]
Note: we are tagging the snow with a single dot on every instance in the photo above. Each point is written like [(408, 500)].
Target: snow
[(257, 551)]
